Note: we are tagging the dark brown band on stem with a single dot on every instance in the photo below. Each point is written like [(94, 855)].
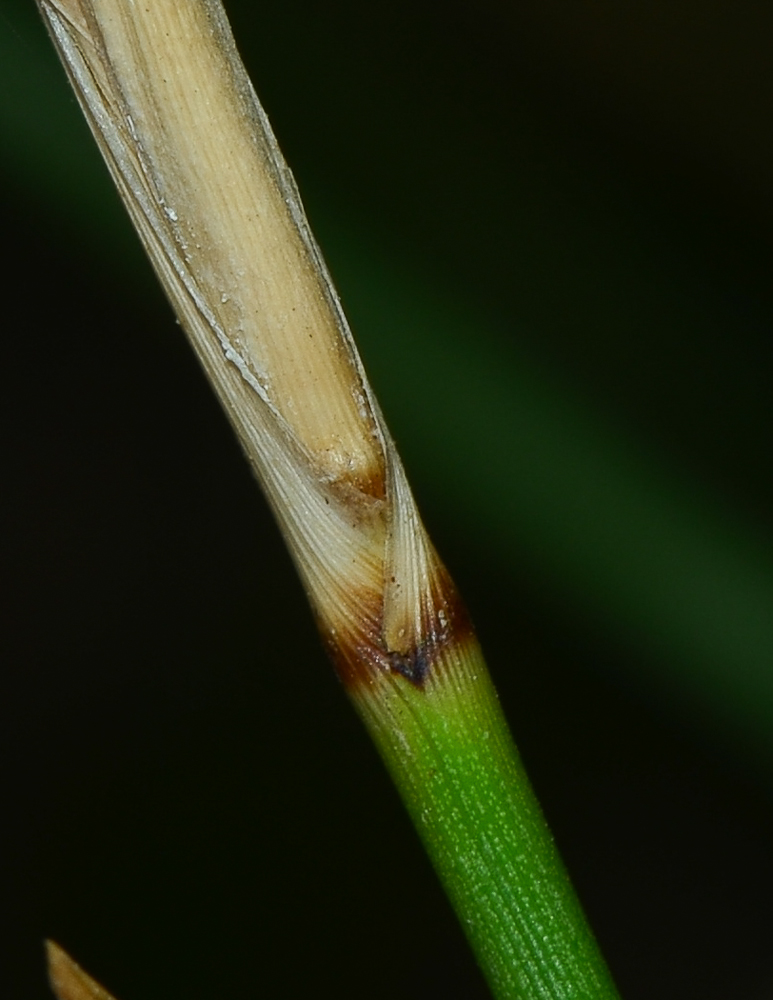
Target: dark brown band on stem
[(362, 656)]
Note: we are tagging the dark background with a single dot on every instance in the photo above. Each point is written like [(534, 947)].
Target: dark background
[(579, 193)]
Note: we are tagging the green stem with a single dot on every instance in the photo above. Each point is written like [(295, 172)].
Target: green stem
[(450, 753)]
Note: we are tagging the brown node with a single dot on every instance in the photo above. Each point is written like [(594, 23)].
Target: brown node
[(361, 655), (413, 666)]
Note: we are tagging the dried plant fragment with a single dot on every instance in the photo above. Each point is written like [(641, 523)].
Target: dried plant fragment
[(68, 980)]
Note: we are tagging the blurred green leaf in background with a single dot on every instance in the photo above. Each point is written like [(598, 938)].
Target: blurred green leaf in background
[(550, 225)]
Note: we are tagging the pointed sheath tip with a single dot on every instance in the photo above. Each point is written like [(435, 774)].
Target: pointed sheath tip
[(68, 980)]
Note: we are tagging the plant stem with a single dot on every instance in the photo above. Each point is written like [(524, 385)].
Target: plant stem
[(197, 165)]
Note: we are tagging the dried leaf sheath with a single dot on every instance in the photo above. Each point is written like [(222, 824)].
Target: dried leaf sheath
[(220, 216)]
